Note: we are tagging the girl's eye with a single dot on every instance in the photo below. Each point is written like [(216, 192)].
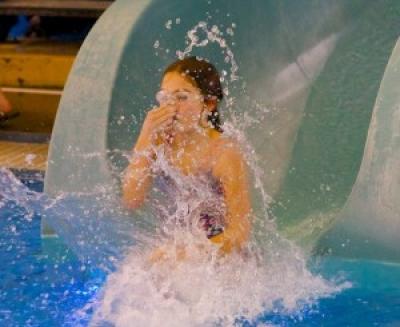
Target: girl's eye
[(182, 96)]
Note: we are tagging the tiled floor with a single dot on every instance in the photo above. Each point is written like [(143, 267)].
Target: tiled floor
[(29, 156)]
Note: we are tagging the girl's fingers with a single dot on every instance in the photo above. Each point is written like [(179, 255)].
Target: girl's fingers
[(161, 130), (160, 120), (156, 120), (164, 127), (159, 112), (152, 122)]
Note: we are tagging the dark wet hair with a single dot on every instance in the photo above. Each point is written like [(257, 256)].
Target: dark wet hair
[(204, 76)]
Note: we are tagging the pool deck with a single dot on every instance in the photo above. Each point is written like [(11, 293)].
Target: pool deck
[(23, 156), (33, 77)]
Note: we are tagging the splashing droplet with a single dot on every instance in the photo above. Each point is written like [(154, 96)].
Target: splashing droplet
[(230, 31), (168, 24)]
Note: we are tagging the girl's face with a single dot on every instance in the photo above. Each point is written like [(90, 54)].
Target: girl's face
[(177, 91)]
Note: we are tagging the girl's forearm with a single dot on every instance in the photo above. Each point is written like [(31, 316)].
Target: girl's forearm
[(136, 181)]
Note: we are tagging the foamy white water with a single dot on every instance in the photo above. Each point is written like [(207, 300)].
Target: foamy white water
[(203, 288), (206, 291)]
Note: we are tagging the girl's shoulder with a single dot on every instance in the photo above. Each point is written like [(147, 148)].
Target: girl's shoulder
[(225, 144), (226, 151)]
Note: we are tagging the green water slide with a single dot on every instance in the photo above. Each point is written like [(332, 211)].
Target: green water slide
[(326, 72)]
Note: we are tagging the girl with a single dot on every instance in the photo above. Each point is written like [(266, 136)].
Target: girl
[(186, 130)]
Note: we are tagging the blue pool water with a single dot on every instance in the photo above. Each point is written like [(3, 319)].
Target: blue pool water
[(43, 284)]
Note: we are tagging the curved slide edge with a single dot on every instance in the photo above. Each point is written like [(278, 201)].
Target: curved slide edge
[(90, 85), (369, 225), (119, 52)]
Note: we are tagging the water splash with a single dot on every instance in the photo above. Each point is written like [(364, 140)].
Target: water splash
[(12, 189), (191, 284), (202, 291), (213, 35), (89, 223)]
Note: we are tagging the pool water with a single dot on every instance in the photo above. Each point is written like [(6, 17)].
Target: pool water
[(42, 283)]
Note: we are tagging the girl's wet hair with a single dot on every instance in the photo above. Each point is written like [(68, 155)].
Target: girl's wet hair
[(205, 77)]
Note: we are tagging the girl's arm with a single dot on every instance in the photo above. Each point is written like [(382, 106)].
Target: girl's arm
[(137, 178), (231, 170)]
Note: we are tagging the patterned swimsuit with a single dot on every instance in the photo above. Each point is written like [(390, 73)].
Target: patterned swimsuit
[(193, 202)]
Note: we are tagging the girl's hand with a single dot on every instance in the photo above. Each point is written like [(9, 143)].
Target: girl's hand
[(156, 128)]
